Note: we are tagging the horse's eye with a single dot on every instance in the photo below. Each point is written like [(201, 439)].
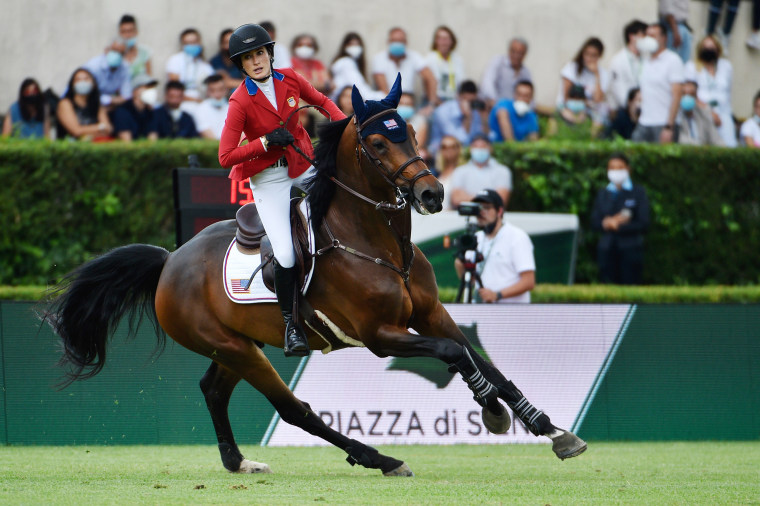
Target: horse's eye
[(379, 145)]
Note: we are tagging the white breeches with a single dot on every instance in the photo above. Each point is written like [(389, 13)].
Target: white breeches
[(271, 192)]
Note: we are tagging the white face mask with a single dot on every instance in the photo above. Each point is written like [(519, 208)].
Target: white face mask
[(82, 87), (354, 51), (149, 96), (617, 176), (647, 45), (521, 108), (304, 52)]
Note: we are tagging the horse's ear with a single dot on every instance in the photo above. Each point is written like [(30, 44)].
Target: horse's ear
[(394, 97), (358, 102)]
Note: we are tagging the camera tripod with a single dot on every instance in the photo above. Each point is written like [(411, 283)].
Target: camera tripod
[(470, 278)]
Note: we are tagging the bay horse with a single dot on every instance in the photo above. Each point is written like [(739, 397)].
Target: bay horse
[(369, 280)]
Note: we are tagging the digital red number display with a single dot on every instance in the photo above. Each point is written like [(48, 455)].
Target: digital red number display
[(216, 190)]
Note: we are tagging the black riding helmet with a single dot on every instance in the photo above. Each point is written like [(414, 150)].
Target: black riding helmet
[(247, 38)]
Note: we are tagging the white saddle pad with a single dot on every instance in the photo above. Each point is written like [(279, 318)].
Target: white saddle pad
[(238, 268)]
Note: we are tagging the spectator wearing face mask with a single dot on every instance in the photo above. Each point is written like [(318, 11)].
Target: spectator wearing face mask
[(305, 62), (625, 66), (80, 114), (171, 121), (574, 110), (28, 117), (463, 118), (135, 118), (480, 173), (222, 64), (281, 54), (136, 56), (586, 72), (750, 130), (398, 58), (514, 120), (621, 214), (662, 76), (212, 112), (714, 77), (188, 66), (625, 118), (695, 122), (112, 74), (349, 68)]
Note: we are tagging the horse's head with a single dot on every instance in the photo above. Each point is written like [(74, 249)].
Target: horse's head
[(389, 145)]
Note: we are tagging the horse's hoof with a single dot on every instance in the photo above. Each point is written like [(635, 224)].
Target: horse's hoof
[(496, 424), (402, 470), (568, 445), (251, 467)]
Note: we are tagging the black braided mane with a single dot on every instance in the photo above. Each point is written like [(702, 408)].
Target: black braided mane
[(319, 187)]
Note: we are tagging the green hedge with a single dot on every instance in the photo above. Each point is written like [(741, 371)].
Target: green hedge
[(705, 204), (63, 202), (546, 293)]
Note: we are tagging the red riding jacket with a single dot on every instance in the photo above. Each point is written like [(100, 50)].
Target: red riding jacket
[(251, 112)]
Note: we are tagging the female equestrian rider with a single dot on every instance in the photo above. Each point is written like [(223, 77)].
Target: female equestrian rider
[(259, 108)]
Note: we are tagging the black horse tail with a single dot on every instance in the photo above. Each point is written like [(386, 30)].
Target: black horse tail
[(86, 307)]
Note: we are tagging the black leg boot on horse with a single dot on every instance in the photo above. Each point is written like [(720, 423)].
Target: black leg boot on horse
[(285, 286)]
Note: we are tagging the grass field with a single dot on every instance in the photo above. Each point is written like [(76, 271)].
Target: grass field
[(608, 473)]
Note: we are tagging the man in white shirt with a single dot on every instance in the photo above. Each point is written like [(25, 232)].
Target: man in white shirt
[(508, 269), (400, 59), (281, 53), (662, 77), (480, 173), (212, 112), (626, 65)]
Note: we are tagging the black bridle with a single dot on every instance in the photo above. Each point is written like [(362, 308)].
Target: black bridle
[(402, 195)]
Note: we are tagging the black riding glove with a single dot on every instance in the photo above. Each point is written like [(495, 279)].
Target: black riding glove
[(280, 137)]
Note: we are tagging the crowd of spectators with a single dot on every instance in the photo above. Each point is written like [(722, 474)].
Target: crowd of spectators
[(645, 94)]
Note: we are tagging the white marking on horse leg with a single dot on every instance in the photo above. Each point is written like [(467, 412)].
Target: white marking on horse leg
[(336, 330), (251, 467)]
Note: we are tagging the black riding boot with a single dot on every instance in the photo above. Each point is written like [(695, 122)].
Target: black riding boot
[(285, 287)]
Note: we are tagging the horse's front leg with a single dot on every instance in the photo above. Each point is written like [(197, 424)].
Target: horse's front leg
[(439, 337)]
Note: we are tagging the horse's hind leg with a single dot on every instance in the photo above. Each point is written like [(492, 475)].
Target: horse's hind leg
[(245, 360), (217, 386)]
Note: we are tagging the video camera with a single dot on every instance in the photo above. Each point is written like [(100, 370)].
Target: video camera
[(468, 241)]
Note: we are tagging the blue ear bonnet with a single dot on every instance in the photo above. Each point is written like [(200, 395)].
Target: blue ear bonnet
[(391, 125)]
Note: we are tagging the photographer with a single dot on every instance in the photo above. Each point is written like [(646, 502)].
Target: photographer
[(508, 270), (462, 118)]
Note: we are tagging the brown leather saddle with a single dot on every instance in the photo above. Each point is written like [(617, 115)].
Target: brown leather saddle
[(251, 235)]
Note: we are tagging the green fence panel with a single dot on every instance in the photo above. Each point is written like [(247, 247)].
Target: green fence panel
[(682, 373), (3, 409), (138, 398)]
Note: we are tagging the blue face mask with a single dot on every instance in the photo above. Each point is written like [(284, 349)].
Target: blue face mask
[(576, 105), (193, 50), (479, 155), (131, 42), (397, 49), (218, 102), (113, 58), (405, 111), (688, 103)]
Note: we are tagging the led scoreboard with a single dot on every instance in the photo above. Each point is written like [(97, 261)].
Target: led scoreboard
[(203, 197)]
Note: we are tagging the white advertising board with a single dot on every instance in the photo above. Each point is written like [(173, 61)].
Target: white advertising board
[(553, 353)]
